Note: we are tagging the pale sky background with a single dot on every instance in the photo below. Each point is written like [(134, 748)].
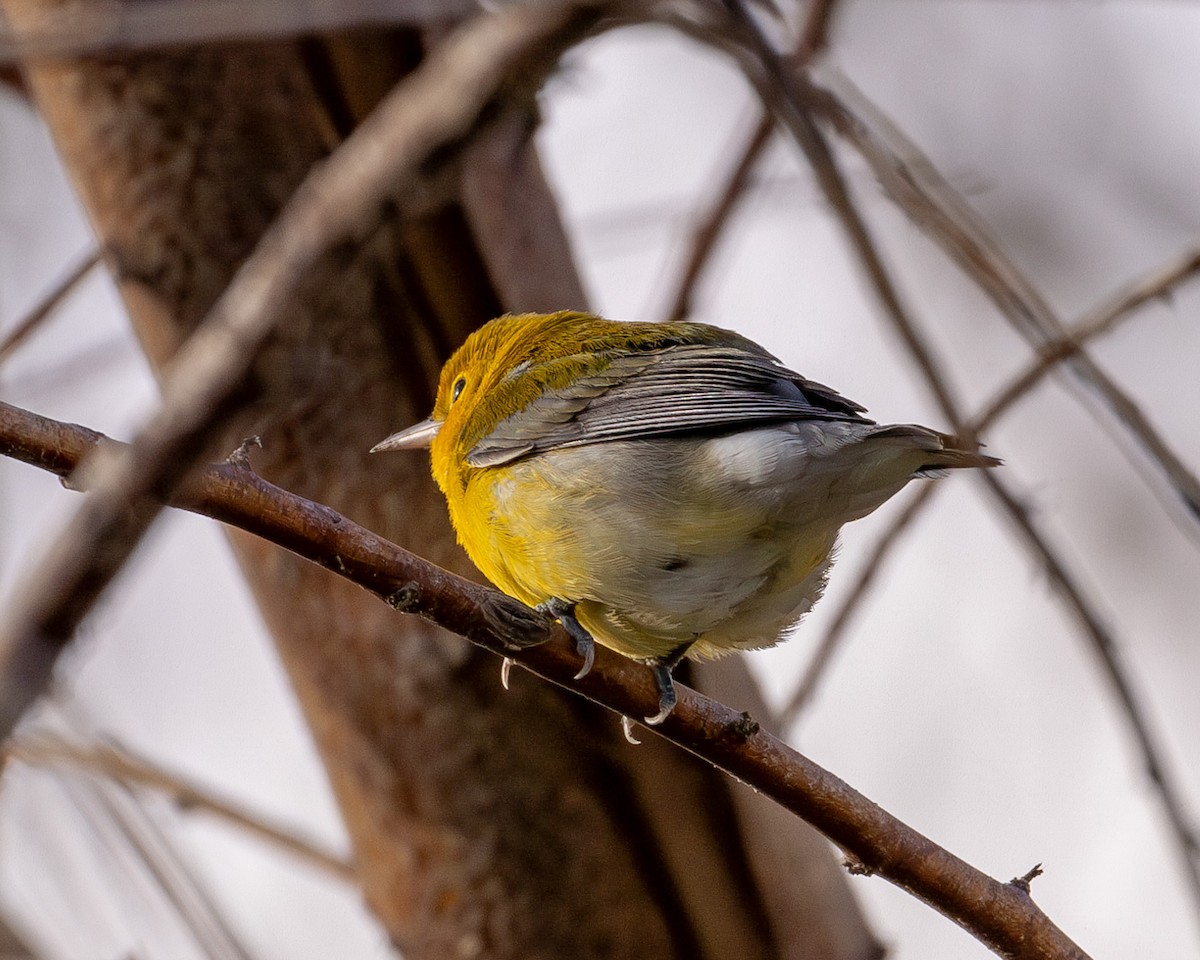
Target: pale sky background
[(965, 701)]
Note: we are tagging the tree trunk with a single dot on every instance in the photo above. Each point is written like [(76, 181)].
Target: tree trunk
[(484, 823)]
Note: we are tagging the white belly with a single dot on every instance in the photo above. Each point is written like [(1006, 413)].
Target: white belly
[(725, 541)]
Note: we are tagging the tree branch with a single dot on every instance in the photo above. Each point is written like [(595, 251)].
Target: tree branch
[(416, 131), (814, 36), (44, 749), (710, 226), (45, 307), (125, 828), (98, 28), (917, 188), (1000, 915), (851, 603), (1122, 305), (786, 93)]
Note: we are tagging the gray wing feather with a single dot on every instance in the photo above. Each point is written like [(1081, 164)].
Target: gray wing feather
[(678, 390)]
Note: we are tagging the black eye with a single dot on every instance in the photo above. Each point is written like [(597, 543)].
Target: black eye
[(459, 384)]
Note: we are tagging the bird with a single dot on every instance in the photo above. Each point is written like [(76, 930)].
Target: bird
[(666, 489)]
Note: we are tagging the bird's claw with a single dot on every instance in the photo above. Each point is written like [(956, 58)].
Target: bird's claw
[(505, 670), (585, 646), (666, 693), (627, 729)]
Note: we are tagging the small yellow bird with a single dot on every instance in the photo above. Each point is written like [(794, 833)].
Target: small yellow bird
[(669, 489)]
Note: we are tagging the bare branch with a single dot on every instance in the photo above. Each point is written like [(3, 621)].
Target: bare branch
[(1159, 284), (711, 225), (852, 602), (932, 204), (1104, 644), (814, 35), (998, 914), (778, 87), (12, 944), (106, 760), (421, 125), (46, 307), (126, 828), (1120, 306), (87, 29), (784, 92)]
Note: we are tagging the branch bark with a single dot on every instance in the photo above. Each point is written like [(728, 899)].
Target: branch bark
[(479, 820), (415, 131), (1000, 915)]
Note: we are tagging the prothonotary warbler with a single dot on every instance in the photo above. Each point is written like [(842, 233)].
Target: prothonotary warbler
[(669, 489)]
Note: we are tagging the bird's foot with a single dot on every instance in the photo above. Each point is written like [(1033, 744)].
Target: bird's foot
[(666, 697), (661, 668), (564, 612), (666, 691)]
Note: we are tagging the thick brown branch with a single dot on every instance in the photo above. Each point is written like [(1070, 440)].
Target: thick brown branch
[(814, 35), (999, 914), (416, 130)]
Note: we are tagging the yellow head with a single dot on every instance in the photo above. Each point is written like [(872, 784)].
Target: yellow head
[(507, 364)]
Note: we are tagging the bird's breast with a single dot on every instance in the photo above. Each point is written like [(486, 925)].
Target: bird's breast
[(659, 541)]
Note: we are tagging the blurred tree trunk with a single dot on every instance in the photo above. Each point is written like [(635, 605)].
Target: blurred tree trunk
[(484, 823), (12, 945)]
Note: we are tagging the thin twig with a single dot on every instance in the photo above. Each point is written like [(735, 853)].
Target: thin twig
[(782, 90), (778, 87), (1154, 286), (43, 749), (932, 204), (998, 914), (126, 828), (425, 122), (851, 603), (814, 36), (46, 307), (711, 225), (1124, 304)]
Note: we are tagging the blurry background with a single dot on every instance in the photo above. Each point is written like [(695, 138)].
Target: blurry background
[(963, 697)]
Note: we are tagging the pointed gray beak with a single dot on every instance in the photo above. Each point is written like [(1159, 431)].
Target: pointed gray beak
[(416, 437)]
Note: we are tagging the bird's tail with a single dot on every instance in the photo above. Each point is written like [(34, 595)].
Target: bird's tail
[(943, 451)]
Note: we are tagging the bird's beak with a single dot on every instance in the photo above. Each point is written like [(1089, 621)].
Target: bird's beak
[(416, 437)]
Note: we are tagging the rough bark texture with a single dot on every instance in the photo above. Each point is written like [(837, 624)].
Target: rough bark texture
[(484, 823)]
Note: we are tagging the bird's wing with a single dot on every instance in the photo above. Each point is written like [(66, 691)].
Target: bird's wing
[(678, 390)]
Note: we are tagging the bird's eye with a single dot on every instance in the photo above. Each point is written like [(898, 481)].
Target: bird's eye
[(459, 384)]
